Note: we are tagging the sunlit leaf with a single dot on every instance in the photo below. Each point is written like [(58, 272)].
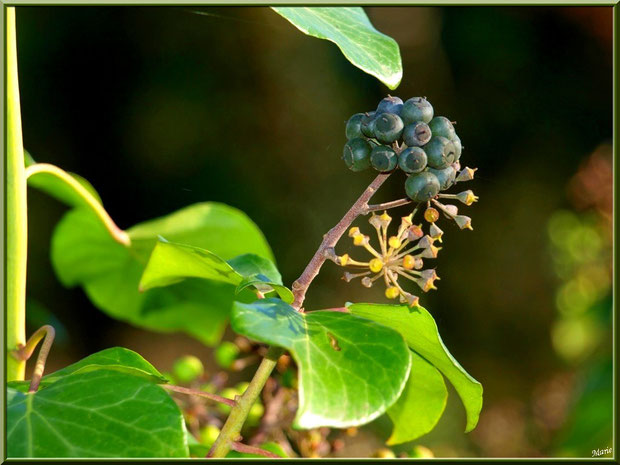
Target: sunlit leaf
[(420, 331), (351, 370), (84, 253), (100, 413), (351, 30), (115, 358), (172, 263), (421, 404)]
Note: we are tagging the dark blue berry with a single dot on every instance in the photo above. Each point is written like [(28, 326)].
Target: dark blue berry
[(388, 127), (445, 177), (353, 128), (367, 125), (383, 158), (390, 105), (356, 154), (422, 187), (412, 160), (441, 126), (416, 109), (440, 152), (416, 134), (456, 140)]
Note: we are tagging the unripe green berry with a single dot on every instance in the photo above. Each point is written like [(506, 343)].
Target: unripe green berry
[(446, 177), (417, 134), (412, 160), (367, 125), (422, 187), (441, 126), (388, 127), (390, 105), (255, 414), (226, 353), (356, 154), (186, 369), (354, 124), (383, 158), (416, 109), (229, 393), (440, 152), (456, 140), (209, 434)]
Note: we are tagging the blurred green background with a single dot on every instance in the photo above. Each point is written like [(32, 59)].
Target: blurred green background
[(162, 107)]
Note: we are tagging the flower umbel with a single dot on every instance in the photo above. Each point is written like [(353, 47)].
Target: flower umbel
[(398, 256)]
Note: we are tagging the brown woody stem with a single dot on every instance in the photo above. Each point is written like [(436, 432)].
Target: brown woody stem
[(230, 436), (300, 287), (385, 206), (245, 449)]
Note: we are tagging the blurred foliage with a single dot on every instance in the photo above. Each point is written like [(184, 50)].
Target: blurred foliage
[(161, 108)]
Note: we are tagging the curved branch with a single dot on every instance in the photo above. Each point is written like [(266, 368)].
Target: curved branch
[(23, 353)]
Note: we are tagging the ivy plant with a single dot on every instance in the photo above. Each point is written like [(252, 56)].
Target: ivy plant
[(208, 265)]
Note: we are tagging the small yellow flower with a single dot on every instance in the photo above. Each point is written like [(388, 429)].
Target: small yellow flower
[(392, 292), (398, 256), (394, 242), (375, 265)]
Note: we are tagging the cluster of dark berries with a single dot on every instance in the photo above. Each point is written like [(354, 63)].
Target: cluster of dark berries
[(406, 136)]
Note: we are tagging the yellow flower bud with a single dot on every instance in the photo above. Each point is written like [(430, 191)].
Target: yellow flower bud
[(392, 292), (344, 259), (375, 265), (431, 215), (408, 262), (385, 217), (358, 239), (394, 242), (354, 231)]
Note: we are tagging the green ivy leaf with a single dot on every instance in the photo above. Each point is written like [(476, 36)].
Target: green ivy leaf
[(351, 370), (115, 358), (351, 30), (171, 263), (420, 331), (101, 413), (85, 253), (421, 404)]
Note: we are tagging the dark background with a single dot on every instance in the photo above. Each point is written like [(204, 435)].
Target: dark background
[(162, 107)]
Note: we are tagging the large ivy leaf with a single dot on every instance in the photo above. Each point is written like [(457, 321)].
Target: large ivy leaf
[(351, 369), (115, 358), (101, 413), (351, 30), (84, 253), (421, 404), (171, 263), (420, 331)]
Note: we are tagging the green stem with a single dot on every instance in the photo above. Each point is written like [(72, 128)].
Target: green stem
[(17, 222), (231, 431)]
